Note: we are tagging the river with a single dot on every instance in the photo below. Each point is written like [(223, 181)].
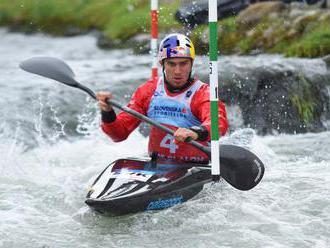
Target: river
[(52, 148)]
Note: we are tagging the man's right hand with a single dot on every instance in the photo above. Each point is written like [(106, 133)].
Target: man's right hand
[(102, 96)]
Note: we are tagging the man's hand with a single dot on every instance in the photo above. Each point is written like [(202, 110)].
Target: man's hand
[(102, 96), (181, 134)]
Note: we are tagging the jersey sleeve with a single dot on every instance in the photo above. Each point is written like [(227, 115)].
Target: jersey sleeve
[(201, 108), (124, 123)]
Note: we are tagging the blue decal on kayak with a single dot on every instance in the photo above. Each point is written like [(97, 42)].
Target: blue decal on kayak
[(128, 171), (164, 203), (161, 169)]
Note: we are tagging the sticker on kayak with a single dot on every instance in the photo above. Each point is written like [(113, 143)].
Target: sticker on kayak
[(138, 175), (164, 203), (128, 175)]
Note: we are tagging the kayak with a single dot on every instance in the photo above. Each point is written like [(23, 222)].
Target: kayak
[(132, 185)]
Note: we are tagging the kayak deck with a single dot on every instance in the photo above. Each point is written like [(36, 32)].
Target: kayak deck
[(131, 185)]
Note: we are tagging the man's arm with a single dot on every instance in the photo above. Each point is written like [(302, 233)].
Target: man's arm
[(200, 106), (118, 127)]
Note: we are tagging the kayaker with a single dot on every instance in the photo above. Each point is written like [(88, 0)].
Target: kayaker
[(177, 100)]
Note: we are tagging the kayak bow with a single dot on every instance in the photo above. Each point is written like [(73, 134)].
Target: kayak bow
[(132, 185)]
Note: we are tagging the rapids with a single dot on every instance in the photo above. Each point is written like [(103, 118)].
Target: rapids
[(52, 148)]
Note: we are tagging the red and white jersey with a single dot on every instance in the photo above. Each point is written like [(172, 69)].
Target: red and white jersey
[(173, 111), (190, 107)]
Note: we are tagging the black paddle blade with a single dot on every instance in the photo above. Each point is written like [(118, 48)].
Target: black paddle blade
[(240, 167), (51, 68)]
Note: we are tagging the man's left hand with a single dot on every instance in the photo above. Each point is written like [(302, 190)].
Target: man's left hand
[(181, 134)]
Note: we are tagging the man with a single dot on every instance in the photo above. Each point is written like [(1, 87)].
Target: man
[(177, 101)]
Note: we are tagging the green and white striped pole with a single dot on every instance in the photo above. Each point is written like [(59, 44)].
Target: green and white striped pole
[(214, 98)]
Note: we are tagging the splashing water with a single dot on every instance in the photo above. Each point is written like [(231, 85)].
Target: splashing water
[(52, 148)]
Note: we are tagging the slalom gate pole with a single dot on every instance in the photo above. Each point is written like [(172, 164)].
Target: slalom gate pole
[(154, 39), (214, 98)]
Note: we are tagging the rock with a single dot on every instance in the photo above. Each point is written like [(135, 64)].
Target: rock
[(302, 21), (296, 9), (169, 1), (73, 31), (325, 16), (281, 96), (193, 13), (326, 4), (140, 43), (105, 42), (252, 15), (268, 34), (326, 59), (291, 34), (280, 101)]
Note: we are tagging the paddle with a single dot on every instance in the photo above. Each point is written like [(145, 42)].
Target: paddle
[(239, 167)]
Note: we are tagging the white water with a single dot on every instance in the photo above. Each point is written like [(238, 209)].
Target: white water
[(47, 162)]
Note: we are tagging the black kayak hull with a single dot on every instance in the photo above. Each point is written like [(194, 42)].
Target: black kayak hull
[(135, 185)]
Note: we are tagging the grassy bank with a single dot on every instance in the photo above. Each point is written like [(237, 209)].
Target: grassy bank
[(120, 20), (311, 39), (117, 19)]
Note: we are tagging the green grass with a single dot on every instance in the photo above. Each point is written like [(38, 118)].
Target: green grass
[(120, 20), (304, 100), (305, 108), (228, 36), (166, 18), (198, 36), (315, 43), (48, 16)]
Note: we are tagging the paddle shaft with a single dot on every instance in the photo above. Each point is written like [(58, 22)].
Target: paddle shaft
[(156, 124)]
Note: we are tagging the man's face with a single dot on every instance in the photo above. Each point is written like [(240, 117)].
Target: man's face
[(177, 71)]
